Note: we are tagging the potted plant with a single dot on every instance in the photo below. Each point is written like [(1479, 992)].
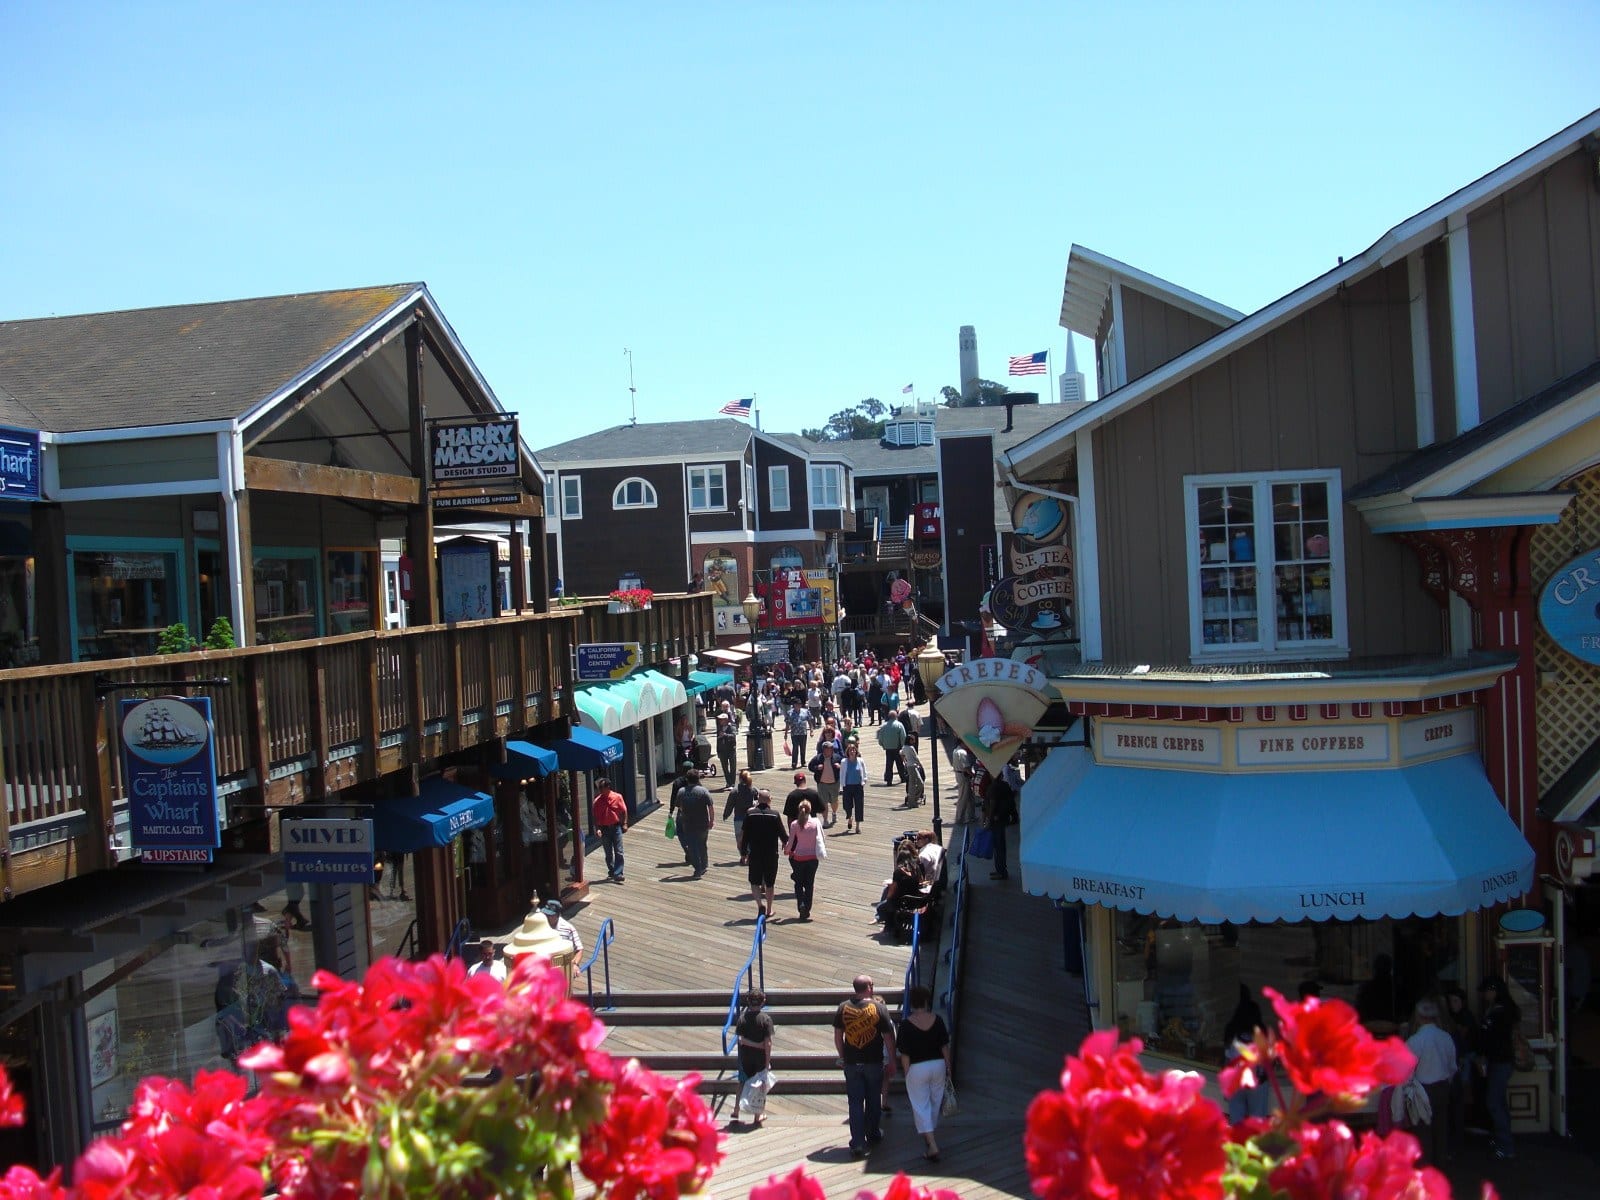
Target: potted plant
[(630, 600)]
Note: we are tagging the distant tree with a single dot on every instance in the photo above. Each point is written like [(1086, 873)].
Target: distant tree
[(864, 422), (989, 392)]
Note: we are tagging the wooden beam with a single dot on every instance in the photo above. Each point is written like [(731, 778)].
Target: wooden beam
[(345, 483), (419, 522)]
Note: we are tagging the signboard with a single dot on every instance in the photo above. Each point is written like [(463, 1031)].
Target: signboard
[(798, 598), (1569, 607), (992, 705), (1163, 744), (1036, 596), (1307, 745), (607, 660), (772, 650), (19, 464), (467, 579), (988, 565), (477, 501), (170, 771), (328, 851), (1439, 733), (175, 858), (472, 450)]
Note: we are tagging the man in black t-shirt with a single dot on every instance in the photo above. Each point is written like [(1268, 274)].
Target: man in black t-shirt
[(862, 1033), (791, 804), (762, 833)]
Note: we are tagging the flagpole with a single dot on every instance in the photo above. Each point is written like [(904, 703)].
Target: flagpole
[(755, 411), (1050, 375)]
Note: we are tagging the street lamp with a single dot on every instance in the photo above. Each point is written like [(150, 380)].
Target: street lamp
[(752, 613), (930, 666)]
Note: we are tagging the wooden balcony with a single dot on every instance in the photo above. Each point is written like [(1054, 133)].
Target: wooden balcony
[(294, 721)]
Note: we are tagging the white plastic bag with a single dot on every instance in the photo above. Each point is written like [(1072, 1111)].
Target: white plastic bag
[(753, 1096)]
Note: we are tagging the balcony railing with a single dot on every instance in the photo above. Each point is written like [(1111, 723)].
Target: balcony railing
[(294, 721)]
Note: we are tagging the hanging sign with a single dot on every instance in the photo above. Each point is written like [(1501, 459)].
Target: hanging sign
[(328, 851), (170, 768), (470, 450), (992, 705), (1569, 607), (19, 464), (607, 660)]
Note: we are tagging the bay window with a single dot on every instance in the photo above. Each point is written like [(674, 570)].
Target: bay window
[(1266, 564), (827, 487), (708, 489)]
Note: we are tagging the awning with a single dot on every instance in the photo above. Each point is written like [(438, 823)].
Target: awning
[(1426, 839), (586, 750), (704, 681), (598, 709), (735, 657), (524, 760), (435, 816), (666, 693)]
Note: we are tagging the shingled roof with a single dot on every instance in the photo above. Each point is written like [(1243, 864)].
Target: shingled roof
[(716, 437), (167, 366)]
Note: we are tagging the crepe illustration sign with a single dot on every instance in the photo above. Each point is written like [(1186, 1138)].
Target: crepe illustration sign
[(992, 705)]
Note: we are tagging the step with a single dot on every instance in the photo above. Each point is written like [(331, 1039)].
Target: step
[(778, 998), (712, 1064), (794, 1015), (788, 1085)]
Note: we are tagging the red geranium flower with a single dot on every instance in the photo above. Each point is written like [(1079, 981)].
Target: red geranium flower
[(1332, 1165), (1324, 1048), (796, 1185), (12, 1110), (24, 1183), (901, 1188), (657, 1140)]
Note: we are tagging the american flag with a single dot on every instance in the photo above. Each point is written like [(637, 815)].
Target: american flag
[(738, 408), (906, 391), (1029, 364)]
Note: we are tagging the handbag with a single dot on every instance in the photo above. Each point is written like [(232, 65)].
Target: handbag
[(822, 845), (672, 826), (982, 845), (948, 1106)]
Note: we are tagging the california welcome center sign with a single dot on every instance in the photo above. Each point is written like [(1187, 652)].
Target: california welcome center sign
[(169, 764), (992, 705)]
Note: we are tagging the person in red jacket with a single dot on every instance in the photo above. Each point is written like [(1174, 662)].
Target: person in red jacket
[(610, 818)]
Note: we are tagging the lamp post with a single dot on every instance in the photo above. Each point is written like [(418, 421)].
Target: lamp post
[(752, 620), (930, 666)]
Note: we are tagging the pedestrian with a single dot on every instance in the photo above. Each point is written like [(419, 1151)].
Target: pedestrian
[(727, 747), (761, 838), (797, 733), (961, 760), (924, 1046), (892, 738), (1241, 1028), (862, 1035), (825, 771), (696, 817), (1497, 1048), (1436, 1069), (610, 820), (564, 928), (1001, 803), (801, 794), (874, 697), (853, 786), (806, 848), (911, 770), (678, 787), (754, 1031), (487, 963), (740, 801)]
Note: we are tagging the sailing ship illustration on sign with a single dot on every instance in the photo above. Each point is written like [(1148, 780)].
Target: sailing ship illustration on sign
[(164, 731)]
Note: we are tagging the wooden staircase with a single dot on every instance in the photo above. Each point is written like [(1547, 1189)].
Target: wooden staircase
[(679, 1032), (892, 544)]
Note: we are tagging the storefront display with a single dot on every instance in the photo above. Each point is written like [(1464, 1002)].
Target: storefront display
[(124, 597), (351, 593), (286, 595), (1298, 579)]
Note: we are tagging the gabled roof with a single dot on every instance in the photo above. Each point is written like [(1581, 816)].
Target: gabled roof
[(1090, 275), (872, 458), (1392, 247), (179, 364), (665, 441)]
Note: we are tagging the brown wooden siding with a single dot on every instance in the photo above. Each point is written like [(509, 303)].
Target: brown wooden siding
[(1332, 389), (1536, 283), (966, 466), (607, 542), (1155, 331), (1436, 265), (793, 517)]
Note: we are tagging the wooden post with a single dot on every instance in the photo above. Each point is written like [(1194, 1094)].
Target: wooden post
[(259, 749), (98, 793), (419, 521), (320, 741), (51, 583), (519, 568), (372, 702), (241, 562)]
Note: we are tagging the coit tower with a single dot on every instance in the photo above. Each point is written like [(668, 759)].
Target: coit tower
[(969, 363)]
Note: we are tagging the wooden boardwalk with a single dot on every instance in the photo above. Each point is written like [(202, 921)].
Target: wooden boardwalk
[(1019, 1010)]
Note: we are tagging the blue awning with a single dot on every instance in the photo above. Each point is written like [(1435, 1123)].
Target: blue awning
[(524, 760), (704, 681), (436, 816), (1269, 846), (586, 750)]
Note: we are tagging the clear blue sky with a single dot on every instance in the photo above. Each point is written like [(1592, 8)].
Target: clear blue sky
[(801, 201)]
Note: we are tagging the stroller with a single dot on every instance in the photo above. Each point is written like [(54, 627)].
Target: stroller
[(705, 762)]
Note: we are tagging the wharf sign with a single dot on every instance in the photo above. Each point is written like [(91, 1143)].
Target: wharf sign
[(992, 705), (19, 464), (475, 450), (1569, 607), (328, 851), (169, 766)]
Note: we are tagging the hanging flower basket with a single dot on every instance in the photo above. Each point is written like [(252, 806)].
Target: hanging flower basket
[(630, 600)]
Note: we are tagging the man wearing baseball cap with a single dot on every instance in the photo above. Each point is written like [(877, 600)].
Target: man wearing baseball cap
[(802, 791)]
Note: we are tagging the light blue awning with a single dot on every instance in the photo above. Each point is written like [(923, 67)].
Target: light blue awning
[(705, 681), (1269, 846)]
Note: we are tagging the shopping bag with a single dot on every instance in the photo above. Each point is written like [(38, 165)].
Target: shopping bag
[(672, 826), (753, 1095), (787, 749), (982, 844), (947, 1107)]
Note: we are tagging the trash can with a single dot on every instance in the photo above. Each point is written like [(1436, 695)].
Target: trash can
[(758, 747)]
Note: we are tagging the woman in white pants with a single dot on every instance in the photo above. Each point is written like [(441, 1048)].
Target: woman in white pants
[(923, 1044)]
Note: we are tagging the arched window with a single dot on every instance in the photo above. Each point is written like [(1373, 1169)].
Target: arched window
[(634, 493)]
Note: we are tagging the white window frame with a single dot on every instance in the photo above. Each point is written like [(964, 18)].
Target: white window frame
[(778, 483), (551, 504), (830, 472), (1267, 643), (647, 493), (571, 498), (707, 473)]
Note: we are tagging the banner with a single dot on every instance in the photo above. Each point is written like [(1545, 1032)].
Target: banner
[(799, 598), (170, 769)]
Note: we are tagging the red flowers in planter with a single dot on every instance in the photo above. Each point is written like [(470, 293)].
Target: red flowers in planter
[(633, 597)]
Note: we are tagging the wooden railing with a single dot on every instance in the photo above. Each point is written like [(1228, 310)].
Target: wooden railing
[(294, 721)]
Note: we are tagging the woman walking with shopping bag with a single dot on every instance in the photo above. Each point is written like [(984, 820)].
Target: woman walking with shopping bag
[(923, 1043), (754, 1029)]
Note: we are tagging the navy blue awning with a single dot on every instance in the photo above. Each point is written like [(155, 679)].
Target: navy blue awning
[(586, 750), (436, 816), (524, 760)]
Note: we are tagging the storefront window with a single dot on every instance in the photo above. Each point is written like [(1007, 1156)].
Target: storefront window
[(350, 591), (286, 595), (1177, 983), (19, 636), (123, 600)]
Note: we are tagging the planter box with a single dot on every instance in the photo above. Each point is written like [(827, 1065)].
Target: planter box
[(616, 606)]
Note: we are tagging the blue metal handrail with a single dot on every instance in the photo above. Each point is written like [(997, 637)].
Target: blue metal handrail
[(951, 1000), (458, 938), (746, 978), (602, 944), (914, 967)]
